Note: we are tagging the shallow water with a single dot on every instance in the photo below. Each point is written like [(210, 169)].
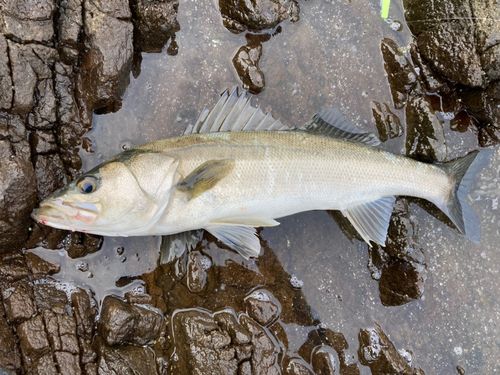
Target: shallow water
[(332, 55)]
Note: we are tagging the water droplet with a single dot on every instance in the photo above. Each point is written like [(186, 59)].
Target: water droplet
[(82, 266)]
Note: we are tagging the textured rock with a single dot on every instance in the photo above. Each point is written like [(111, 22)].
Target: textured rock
[(424, 133), (486, 15), (107, 63), (246, 63), (325, 361), (197, 268), (120, 323), (257, 15), (490, 60), (49, 297), (70, 26), (42, 142), (400, 73), (388, 124), (296, 366), (486, 109), (10, 359), (379, 353), (450, 49), (27, 20), (18, 303), (6, 92), (433, 82), (50, 174), (12, 266), (262, 307)]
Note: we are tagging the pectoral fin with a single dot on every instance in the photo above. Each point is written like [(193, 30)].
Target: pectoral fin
[(174, 245), (205, 177), (241, 238), (371, 219)]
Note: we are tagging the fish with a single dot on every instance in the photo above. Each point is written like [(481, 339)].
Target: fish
[(237, 169)]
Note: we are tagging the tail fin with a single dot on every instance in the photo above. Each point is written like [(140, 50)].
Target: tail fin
[(464, 171)]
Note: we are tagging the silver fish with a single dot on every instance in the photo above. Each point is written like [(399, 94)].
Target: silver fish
[(237, 169)]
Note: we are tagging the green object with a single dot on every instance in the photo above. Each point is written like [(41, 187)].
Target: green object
[(385, 8)]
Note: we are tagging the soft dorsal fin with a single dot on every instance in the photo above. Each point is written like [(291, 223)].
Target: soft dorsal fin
[(332, 123), (234, 112)]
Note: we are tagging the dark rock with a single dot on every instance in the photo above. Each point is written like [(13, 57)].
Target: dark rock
[(325, 361), (127, 359), (48, 297), (82, 244), (27, 20), (155, 23), (425, 139), (18, 194), (433, 82), (44, 236), (263, 307), (295, 366), (70, 26), (24, 80), (18, 303), (463, 122), (10, 359), (388, 124), (42, 142), (257, 15), (264, 348), (90, 369), (197, 268), (400, 73), (50, 174), (228, 323), (481, 106), (487, 30), (419, 17), (493, 90), (379, 353), (460, 370), (68, 362), (488, 136), (450, 49), (490, 60), (107, 62), (246, 63), (44, 113), (121, 322), (35, 346), (12, 266), (201, 345), (5, 76), (61, 330)]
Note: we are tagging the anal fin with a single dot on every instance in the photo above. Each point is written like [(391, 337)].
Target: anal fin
[(371, 219)]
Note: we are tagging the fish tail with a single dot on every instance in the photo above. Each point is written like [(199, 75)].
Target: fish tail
[(464, 172)]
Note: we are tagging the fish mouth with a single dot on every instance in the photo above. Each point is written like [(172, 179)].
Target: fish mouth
[(66, 215)]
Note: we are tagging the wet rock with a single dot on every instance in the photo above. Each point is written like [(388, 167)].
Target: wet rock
[(10, 359), (68, 362), (433, 82), (419, 17), (296, 366), (155, 23), (13, 266), (325, 361), (488, 136), (121, 322), (82, 244), (18, 303), (483, 107), (388, 124), (127, 359), (27, 20), (450, 48), (5, 76), (35, 347), (490, 60), (424, 133), (17, 188), (462, 122), (61, 331), (49, 297), (487, 30), (84, 313), (399, 266), (107, 63), (264, 348), (42, 142), (239, 336), (257, 15), (400, 73), (197, 268), (39, 267), (70, 26), (50, 174), (379, 353), (493, 90), (44, 236), (44, 113), (262, 307), (246, 63)]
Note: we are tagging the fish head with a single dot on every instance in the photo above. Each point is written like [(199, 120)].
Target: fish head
[(120, 197)]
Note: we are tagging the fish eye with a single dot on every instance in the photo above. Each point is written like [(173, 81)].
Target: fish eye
[(87, 185)]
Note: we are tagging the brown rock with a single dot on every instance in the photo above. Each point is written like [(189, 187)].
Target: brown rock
[(42, 142), (325, 361), (48, 297), (262, 307), (70, 26), (10, 359), (68, 362), (19, 304), (27, 20), (296, 366), (84, 313), (388, 124), (433, 82), (50, 174), (6, 92), (490, 60), (120, 323), (487, 30), (246, 63), (34, 343), (197, 268), (13, 266)]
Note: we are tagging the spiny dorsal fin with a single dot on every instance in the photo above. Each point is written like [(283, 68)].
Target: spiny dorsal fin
[(234, 112), (205, 177), (371, 219), (332, 123)]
